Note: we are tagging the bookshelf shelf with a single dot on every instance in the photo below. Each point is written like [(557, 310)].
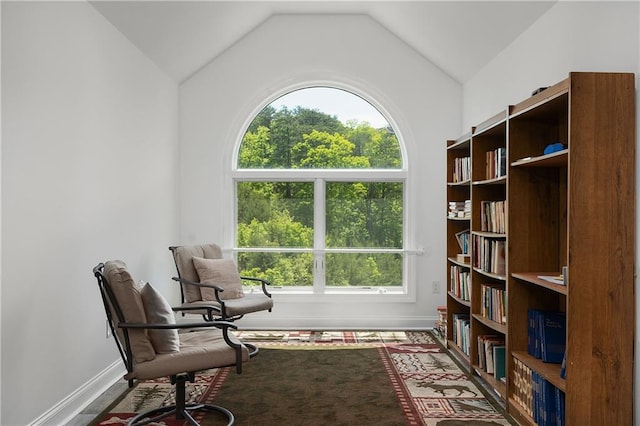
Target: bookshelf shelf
[(457, 262), (532, 278), (556, 159), (499, 277), (495, 181), (466, 303), (555, 215), (460, 219), (462, 183), (496, 326)]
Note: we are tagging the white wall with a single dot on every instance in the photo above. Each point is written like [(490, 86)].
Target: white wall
[(572, 36), (353, 52), (89, 148)]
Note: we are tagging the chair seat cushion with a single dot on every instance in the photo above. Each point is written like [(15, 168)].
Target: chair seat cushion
[(251, 302), (199, 350), (222, 272)]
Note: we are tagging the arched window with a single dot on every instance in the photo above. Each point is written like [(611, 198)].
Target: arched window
[(320, 193)]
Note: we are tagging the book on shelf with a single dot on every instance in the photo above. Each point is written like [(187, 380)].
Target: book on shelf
[(486, 343), (555, 279), (499, 362), (548, 402), (546, 335), (461, 169), (461, 332), (538, 397), (462, 238), (489, 254), (493, 303), (460, 284), (493, 216), (496, 163), (563, 366)]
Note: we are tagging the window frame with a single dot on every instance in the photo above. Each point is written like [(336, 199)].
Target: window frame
[(318, 292)]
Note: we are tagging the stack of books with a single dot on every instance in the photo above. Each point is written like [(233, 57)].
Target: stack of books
[(460, 209), (440, 328)]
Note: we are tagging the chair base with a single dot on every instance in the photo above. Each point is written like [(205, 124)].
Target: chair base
[(253, 349), (181, 409), (155, 415)]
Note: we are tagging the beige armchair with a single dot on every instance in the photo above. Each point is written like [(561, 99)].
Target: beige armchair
[(147, 337), (211, 286)]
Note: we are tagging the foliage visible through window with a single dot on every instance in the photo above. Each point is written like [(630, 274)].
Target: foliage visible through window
[(361, 216)]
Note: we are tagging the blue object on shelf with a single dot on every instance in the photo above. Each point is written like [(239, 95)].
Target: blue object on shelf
[(554, 147)]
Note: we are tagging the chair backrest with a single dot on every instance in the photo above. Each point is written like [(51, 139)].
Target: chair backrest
[(122, 304), (183, 258)]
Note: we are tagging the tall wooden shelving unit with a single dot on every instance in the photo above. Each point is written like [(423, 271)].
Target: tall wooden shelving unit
[(573, 208)]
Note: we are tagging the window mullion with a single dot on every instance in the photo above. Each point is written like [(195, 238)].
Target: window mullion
[(319, 231)]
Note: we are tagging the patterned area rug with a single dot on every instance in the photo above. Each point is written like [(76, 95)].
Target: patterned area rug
[(426, 386)]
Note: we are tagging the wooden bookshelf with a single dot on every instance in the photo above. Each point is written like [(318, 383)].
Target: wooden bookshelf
[(572, 208)]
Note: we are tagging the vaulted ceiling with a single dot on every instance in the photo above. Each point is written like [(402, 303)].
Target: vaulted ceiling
[(460, 37)]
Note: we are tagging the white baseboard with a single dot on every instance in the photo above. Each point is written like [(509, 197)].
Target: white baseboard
[(305, 323), (66, 409)]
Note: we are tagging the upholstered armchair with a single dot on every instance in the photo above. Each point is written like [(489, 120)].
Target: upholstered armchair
[(211, 286), (147, 337)]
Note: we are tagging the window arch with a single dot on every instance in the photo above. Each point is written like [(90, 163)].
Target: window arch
[(320, 195)]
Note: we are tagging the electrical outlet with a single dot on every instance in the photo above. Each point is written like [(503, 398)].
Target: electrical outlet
[(108, 334), (435, 287)]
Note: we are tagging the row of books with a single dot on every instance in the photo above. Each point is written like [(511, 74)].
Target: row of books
[(460, 284), (493, 303), (496, 163), (493, 216), (547, 332), (540, 399), (461, 169), (460, 209), (461, 332), (489, 254), (491, 355)]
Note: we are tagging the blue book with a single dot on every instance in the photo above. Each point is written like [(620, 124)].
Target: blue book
[(499, 364), (553, 336)]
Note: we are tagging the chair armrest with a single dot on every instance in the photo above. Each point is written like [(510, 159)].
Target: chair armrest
[(216, 288), (183, 281), (264, 283), (209, 308), (183, 325)]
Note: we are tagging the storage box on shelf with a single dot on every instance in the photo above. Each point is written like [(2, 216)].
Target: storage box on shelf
[(571, 208)]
